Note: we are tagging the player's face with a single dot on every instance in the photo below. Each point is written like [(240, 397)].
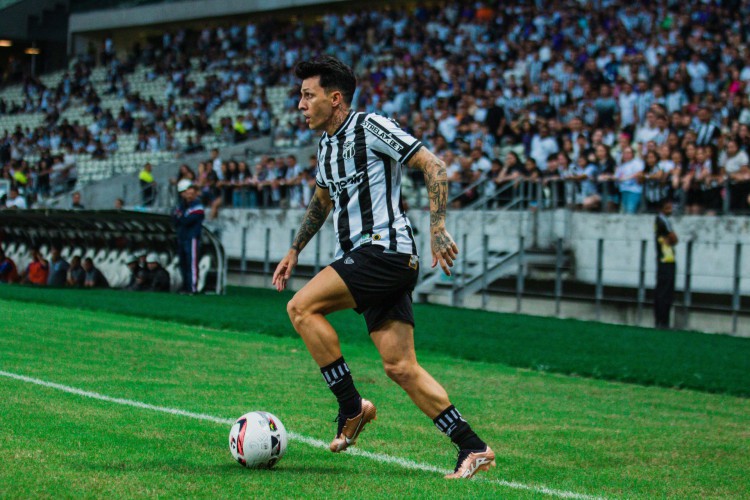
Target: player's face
[(315, 104)]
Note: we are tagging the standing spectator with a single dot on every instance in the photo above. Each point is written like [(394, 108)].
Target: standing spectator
[(58, 269), (737, 167), (8, 270), (292, 181), (94, 277), (666, 239), (188, 219), (159, 277), (543, 145), (628, 175), (75, 203), (216, 163), (76, 275), (37, 271), (706, 130), (148, 185)]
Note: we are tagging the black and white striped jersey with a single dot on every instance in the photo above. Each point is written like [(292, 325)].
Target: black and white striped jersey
[(360, 165)]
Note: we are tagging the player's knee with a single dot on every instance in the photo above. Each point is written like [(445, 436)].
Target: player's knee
[(296, 312), (401, 372)]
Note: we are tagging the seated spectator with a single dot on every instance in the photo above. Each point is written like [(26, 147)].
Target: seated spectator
[(37, 271), (94, 277), (159, 277), (76, 274), (15, 201), (8, 270), (75, 203), (58, 269), (136, 273)]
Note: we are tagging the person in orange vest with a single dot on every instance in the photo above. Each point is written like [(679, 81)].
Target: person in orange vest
[(37, 271)]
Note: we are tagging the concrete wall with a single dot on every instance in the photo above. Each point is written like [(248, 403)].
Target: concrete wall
[(713, 248)]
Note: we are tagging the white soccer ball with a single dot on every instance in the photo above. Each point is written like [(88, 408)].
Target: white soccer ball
[(257, 440)]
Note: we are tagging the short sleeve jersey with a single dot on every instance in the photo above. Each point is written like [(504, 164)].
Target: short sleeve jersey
[(360, 165)]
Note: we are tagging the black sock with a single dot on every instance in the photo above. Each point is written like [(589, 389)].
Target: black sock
[(339, 380), (452, 424)]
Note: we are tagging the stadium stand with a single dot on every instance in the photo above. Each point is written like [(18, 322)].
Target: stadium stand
[(574, 85)]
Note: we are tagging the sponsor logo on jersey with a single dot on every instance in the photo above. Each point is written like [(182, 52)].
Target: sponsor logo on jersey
[(336, 187), (384, 135)]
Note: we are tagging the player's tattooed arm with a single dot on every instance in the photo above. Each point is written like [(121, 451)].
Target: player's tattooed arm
[(315, 216), (444, 249)]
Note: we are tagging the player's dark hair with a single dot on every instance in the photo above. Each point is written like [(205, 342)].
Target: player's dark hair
[(334, 75)]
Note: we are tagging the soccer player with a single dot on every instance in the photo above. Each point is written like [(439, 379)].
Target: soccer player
[(359, 176)]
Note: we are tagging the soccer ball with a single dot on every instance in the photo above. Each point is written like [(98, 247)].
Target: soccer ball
[(257, 440)]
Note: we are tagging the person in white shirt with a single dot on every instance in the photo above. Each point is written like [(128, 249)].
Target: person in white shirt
[(626, 101), (543, 145), (736, 165), (15, 200), (629, 177), (647, 132)]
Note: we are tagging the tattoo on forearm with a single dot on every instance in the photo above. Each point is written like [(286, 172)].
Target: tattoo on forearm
[(436, 181), (315, 216)]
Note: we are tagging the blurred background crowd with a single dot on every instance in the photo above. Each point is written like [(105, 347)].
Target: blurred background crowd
[(597, 105)]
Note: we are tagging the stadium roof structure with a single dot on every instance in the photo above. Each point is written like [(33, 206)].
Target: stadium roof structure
[(149, 12), (7, 3)]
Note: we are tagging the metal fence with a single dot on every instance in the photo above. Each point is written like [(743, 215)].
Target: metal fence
[(589, 270), (725, 198)]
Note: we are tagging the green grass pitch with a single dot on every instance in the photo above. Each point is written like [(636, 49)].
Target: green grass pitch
[(572, 409)]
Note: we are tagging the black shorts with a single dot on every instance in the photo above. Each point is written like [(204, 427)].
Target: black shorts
[(381, 282)]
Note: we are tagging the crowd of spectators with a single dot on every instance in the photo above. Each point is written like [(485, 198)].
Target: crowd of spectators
[(625, 102), (146, 272), (55, 271), (607, 105), (270, 182)]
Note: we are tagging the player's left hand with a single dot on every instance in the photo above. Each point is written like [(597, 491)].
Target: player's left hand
[(444, 249)]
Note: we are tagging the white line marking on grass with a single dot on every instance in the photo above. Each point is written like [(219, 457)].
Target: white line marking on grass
[(315, 443)]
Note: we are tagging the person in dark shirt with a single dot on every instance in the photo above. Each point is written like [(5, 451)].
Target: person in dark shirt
[(159, 277), (76, 274), (58, 269), (8, 269), (666, 239), (94, 277), (188, 219), (135, 269)]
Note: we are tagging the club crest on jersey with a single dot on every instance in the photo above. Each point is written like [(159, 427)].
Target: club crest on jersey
[(348, 150)]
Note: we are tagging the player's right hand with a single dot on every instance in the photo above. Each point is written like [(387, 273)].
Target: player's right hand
[(284, 270)]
